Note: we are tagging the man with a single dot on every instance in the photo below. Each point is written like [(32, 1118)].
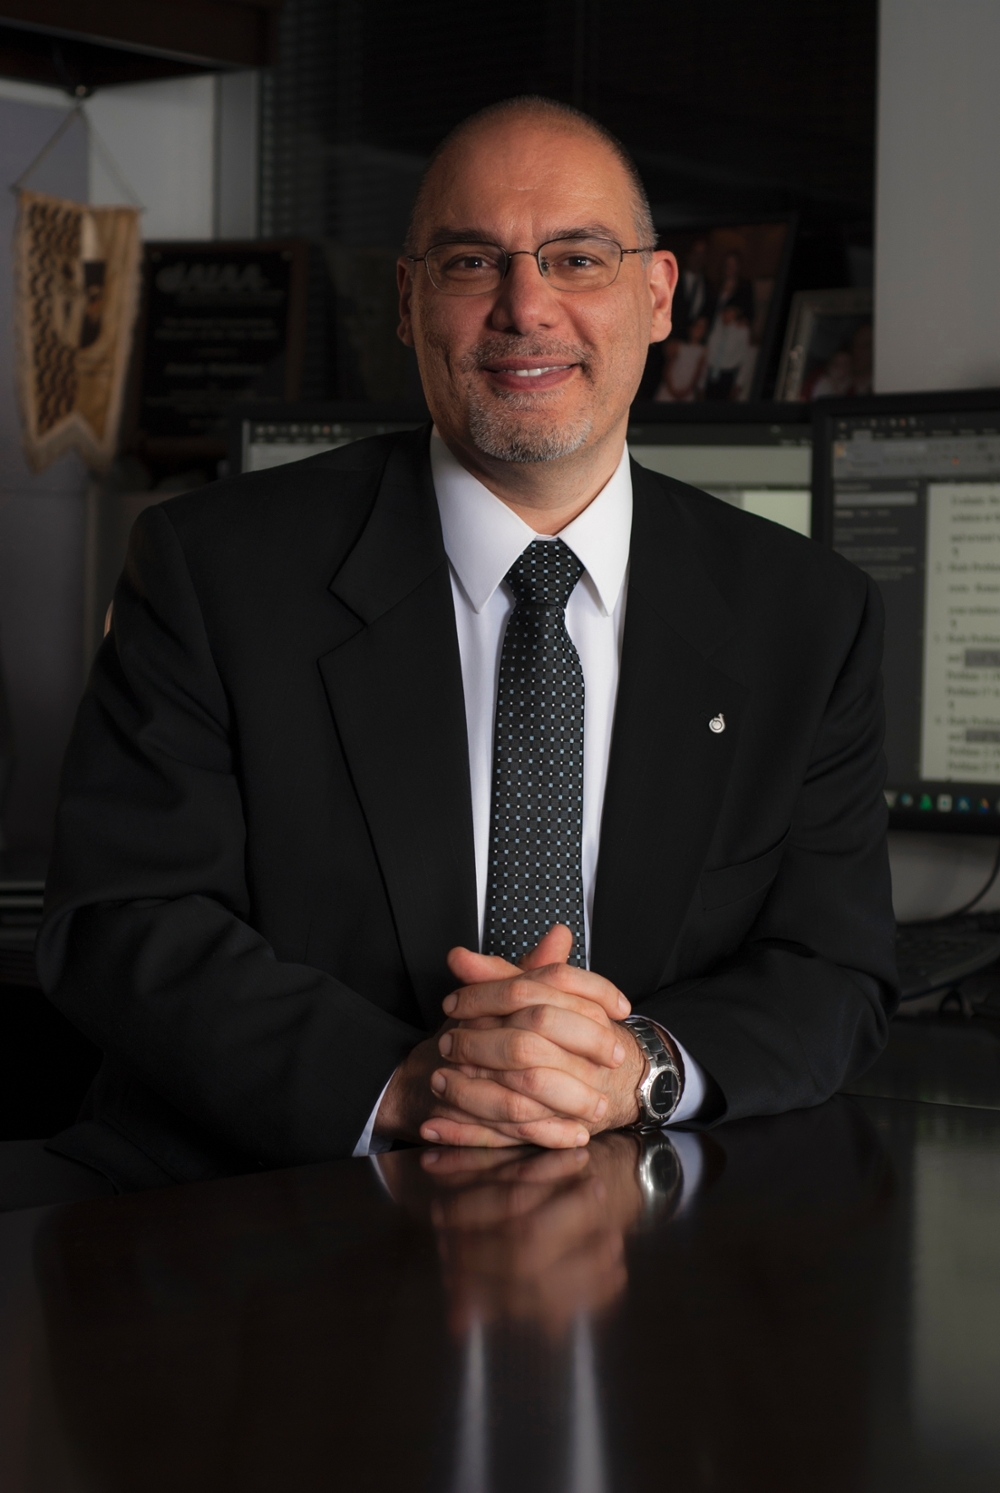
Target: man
[(385, 804)]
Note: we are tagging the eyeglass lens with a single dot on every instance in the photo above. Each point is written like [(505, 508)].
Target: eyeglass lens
[(568, 264)]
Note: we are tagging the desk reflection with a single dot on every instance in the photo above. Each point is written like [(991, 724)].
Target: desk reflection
[(698, 1310), (534, 1237), (531, 1245)]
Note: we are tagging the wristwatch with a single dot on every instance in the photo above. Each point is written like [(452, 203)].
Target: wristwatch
[(660, 1091)]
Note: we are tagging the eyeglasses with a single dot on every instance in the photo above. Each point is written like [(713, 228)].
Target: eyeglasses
[(572, 264)]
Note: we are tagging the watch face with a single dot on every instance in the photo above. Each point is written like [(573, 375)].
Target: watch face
[(663, 1091)]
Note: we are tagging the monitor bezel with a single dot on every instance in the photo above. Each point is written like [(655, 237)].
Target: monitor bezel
[(824, 413), (746, 412)]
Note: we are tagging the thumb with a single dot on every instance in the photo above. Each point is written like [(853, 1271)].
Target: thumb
[(474, 969), (553, 947), (471, 968)]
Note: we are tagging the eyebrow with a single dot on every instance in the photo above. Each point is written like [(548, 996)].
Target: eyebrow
[(482, 236)]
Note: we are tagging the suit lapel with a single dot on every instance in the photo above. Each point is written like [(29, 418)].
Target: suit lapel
[(395, 689), (668, 770)]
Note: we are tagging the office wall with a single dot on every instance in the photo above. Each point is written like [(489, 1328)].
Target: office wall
[(188, 149), (937, 284), (41, 514)]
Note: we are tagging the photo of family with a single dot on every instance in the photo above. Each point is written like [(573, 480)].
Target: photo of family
[(828, 347), (724, 305)]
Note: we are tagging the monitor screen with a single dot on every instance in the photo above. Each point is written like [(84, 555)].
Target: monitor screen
[(755, 457), (909, 490)]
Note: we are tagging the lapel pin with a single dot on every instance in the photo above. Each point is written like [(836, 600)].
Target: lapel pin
[(717, 723)]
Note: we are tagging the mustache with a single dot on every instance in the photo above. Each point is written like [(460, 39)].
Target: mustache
[(492, 349)]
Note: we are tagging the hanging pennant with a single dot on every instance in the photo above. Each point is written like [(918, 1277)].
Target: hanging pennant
[(76, 293)]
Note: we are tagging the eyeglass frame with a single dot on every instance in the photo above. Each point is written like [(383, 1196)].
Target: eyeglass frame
[(509, 254)]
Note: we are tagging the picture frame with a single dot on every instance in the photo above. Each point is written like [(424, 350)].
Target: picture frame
[(727, 310), (827, 351)]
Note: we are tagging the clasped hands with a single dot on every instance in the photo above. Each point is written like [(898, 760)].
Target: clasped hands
[(529, 1054)]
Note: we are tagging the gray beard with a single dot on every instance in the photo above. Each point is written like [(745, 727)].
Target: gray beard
[(497, 432)]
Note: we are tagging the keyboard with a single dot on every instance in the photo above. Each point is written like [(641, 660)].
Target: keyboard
[(933, 957), (20, 918)]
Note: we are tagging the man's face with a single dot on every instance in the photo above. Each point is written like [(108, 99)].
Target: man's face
[(528, 372)]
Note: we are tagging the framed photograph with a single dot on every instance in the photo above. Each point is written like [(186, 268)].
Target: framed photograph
[(727, 307), (828, 346), (220, 323)]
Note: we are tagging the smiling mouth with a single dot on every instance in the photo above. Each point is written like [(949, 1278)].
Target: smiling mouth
[(533, 372), (533, 375)]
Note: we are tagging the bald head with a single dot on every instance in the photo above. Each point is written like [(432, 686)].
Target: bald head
[(517, 117)]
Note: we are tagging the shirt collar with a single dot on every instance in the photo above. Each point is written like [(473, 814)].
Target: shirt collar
[(483, 537)]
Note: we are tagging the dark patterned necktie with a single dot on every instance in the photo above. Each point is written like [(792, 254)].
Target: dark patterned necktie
[(536, 820)]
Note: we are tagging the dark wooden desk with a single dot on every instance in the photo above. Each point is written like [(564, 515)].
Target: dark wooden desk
[(811, 1305)]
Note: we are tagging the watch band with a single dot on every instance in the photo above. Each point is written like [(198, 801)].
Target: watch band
[(659, 1093)]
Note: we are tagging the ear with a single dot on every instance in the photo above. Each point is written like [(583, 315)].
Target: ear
[(663, 274), (404, 281)]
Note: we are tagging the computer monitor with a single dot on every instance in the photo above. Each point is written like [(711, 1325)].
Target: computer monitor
[(908, 488), (757, 457), (269, 435)]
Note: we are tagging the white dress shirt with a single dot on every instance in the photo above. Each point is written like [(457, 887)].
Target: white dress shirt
[(482, 539)]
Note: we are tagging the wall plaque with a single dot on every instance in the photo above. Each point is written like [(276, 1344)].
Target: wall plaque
[(221, 323)]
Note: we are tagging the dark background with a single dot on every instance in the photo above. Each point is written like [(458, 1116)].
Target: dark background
[(731, 111)]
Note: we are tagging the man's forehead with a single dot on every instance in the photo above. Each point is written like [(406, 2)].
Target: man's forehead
[(520, 168)]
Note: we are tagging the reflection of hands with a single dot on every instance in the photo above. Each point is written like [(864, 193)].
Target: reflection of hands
[(533, 1237), (531, 1053)]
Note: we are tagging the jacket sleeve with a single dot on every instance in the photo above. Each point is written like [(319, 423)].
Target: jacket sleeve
[(803, 1005), (147, 945)]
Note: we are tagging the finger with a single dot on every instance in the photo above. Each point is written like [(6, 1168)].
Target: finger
[(469, 968), (567, 1031), (554, 947), (562, 1093), (536, 1094), (555, 1090), (444, 1132), (553, 1134), (561, 1083), (465, 1098), (559, 984)]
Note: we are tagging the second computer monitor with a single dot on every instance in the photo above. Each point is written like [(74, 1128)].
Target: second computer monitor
[(908, 488), (757, 457)]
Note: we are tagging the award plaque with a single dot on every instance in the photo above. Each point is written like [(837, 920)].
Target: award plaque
[(221, 323)]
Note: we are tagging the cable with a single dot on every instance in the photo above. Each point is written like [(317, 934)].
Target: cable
[(950, 917), (94, 138)]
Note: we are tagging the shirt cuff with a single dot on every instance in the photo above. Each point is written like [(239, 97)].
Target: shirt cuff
[(693, 1093), (370, 1144)]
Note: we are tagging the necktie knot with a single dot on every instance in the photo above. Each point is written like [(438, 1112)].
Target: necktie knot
[(544, 574)]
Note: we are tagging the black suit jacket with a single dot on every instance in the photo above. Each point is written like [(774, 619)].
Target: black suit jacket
[(264, 846)]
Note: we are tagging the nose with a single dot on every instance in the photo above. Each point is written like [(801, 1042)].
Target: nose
[(525, 300)]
